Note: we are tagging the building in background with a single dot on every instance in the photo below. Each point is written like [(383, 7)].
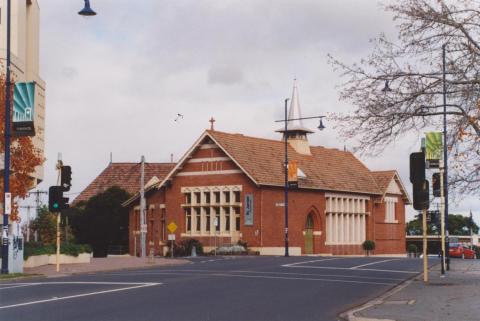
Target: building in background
[(125, 176), (25, 66)]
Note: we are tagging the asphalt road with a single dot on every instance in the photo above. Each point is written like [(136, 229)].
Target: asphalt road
[(210, 288)]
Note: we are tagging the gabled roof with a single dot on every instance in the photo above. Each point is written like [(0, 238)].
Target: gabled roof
[(383, 179), (262, 161), (124, 175)]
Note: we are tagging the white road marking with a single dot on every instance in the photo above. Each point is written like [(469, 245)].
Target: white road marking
[(314, 274), (372, 263), (303, 262), (206, 272), (135, 286), (300, 279), (17, 285), (235, 274), (350, 269)]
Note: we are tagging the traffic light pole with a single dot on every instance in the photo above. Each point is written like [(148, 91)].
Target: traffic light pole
[(59, 179), (425, 256), (442, 216)]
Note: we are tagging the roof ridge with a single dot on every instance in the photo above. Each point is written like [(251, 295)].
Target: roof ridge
[(246, 136)]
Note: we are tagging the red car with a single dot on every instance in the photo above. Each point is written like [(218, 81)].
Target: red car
[(458, 250)]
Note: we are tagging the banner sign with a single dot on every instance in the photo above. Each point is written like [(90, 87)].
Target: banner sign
[(292, 174), (433, 146), (23, 109), (248, 209)]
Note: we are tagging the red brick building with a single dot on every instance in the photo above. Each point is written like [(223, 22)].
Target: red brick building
[(229, 187)]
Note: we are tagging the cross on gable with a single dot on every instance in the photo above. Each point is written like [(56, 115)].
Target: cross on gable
[(212, 120)]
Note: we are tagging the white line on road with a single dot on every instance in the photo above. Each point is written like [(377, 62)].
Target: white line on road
[(136, 286), (16, 285), (314, 274), (300, 279), (372, 263), (206, 272), (350, 269), (303, 262), (235, 274)]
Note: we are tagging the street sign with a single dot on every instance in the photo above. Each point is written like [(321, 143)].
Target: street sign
[(171, 237), (279, 204), (172, 227), (8, 203)]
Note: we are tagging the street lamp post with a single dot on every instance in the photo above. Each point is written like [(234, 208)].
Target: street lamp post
[(86, 11), (6, 164), (285, 138), (445, 162)]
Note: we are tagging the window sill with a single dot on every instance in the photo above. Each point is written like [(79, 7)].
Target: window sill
[(391, 222)]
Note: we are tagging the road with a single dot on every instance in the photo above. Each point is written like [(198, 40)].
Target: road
[(210, 288)]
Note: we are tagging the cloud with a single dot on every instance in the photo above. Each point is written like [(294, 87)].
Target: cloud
[(224, 75), (116, 81)]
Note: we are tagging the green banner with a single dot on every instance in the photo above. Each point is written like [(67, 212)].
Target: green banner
[(433, 145)]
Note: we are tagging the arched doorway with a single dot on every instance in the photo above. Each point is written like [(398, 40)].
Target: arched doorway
[(308, 236)]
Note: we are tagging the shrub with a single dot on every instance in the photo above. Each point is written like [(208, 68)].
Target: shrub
[(368, 245), (412, 248), (37, 248), (243, 243), (184, 247)]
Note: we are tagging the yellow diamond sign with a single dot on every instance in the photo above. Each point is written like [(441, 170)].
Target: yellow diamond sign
[(172, 227)]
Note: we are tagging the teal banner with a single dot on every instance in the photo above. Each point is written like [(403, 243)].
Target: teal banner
[(23, 109)]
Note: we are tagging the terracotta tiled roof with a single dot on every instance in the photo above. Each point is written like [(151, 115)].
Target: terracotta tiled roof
[(124, 175), (326, 169), (383, 179)]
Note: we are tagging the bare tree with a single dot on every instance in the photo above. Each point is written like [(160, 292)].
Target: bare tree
[(412, 68)]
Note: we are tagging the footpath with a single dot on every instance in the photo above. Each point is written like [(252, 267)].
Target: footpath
[(455, 297), (103, 264)]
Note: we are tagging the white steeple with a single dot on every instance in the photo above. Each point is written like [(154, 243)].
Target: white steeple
[(295, 112), (296, 132)]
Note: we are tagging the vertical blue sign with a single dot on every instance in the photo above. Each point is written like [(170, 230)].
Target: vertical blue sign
[(248, 209)]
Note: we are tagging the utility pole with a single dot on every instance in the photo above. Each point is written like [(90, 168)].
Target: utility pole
[(143, 219)]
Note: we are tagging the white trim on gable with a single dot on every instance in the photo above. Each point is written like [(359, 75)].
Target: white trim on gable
[(208, 159), (187, 156), (208, 146), (393, 187), (205, 173)]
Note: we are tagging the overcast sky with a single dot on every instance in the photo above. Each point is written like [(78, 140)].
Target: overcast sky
[(116, 81)]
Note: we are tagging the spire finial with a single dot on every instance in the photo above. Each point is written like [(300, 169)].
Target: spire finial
[(212, 121)]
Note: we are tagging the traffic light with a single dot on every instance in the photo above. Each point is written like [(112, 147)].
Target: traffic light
[(56, 201), (66, 177), (436, 185), (421, 199), (417, 167)]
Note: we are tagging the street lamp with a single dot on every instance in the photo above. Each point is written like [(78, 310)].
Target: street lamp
[(86, 11), (285, 136)]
